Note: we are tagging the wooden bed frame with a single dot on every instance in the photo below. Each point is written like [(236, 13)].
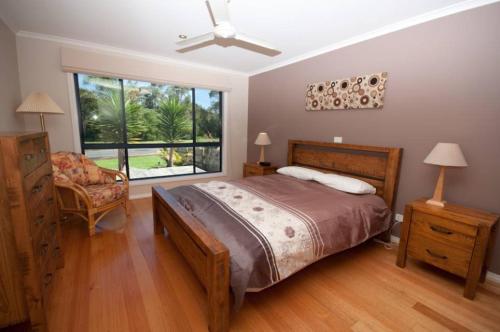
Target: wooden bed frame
[(209, 258)]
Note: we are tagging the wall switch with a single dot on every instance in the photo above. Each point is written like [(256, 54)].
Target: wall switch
[(398, 217), (337, 139)]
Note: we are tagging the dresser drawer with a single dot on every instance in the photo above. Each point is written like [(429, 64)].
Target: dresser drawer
[(40, 150), (448, 258), (47, 277), (33, 152), (42, 219), (27, 156), (443, 230), (47, 250), (38, 185)]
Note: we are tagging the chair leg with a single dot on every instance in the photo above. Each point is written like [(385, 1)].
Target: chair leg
[(127, 207), (91, 224)]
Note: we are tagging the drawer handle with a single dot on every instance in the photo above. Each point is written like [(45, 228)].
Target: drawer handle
[(50, 200), (56, 252), (37, 189), (47, 279), (441, 230), (436, 255), (43, 150), (39, 219), (45, 247)]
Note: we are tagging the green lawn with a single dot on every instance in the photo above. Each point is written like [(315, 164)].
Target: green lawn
[(143, 162)]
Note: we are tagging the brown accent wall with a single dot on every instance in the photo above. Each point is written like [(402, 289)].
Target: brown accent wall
[(443, 86), (10, 95)]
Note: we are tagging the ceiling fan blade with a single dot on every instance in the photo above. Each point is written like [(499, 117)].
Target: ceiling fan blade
[(256, 45), (218, 11), (196, 40)]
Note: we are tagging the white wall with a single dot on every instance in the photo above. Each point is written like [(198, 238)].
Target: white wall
[(40, 69), (10, 97)]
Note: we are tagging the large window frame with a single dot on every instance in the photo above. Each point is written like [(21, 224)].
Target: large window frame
[(126, 146)]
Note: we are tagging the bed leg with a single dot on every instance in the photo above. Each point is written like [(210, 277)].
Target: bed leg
[(158, 225), (218, 292)]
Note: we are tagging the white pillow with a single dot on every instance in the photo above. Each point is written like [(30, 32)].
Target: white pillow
[(299, 172), (344, 183)]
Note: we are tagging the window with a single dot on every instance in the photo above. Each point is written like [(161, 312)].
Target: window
[(149, 130)]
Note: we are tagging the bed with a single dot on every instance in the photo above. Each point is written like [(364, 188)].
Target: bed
[(273, 226)]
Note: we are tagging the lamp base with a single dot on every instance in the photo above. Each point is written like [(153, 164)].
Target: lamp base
[(435, 203), (437, 198)]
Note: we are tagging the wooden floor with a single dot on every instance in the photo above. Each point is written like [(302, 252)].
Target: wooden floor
[(131, 280)]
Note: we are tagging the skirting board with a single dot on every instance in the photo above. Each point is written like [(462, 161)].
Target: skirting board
[(490, 276), (139, 196)]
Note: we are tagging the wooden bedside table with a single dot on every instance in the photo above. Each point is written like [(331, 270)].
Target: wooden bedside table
[(253, 169), (453, 238)]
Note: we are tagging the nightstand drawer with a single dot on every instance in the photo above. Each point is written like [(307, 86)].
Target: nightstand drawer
[(253, 172), (448, 258), (445, 223), (443, 230)]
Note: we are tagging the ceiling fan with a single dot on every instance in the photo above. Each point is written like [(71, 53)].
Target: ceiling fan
[(224, 34)]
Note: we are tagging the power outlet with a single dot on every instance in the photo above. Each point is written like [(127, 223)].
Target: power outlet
[(398, 217), (337, 139)]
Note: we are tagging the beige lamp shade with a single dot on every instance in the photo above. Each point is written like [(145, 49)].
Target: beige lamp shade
[(39, 102), (446, 154), (263, 139)]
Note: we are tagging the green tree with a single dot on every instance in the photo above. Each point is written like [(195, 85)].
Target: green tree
[(174, 123), (136, 124), (89, 110)]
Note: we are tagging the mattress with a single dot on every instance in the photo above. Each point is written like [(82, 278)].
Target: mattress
[(276, 225)]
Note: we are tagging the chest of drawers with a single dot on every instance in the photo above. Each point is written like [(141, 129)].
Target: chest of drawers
[(32, 217)]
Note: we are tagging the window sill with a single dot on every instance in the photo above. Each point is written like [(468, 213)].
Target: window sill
[(175, 179)]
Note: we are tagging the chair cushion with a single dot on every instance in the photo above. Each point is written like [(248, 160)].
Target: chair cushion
[(59, 177), (80, 169), (102, 194), (69, 163), (94, 173)]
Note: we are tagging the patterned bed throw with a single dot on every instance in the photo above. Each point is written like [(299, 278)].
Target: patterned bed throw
[(276, 225)]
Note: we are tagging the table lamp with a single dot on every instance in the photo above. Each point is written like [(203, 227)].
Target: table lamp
[(263, 140), (444, 155), (39, 102)]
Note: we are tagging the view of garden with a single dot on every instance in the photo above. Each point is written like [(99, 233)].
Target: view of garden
[(147, 128)]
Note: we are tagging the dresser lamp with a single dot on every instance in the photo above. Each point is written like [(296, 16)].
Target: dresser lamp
[(263, 140), (444, 155), (41, 103)]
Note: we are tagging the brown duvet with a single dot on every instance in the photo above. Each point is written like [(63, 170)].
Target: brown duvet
[(276, 225)]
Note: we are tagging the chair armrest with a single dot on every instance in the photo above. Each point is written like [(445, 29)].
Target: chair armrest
[(121, 175), (77, 189)]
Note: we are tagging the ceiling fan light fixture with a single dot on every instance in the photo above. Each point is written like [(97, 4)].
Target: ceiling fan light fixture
[(224, 30)]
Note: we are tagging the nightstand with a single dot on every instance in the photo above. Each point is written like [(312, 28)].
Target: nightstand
[(251, 169), (453, 238)]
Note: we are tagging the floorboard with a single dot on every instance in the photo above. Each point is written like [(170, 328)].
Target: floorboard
[(127, 279)]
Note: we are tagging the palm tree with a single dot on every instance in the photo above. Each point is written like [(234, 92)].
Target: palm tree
[(174, 123)]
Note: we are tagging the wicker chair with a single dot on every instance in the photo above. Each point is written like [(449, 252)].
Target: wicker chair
[(87, 190)]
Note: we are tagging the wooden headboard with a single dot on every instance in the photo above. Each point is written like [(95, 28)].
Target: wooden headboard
[(376, 165)]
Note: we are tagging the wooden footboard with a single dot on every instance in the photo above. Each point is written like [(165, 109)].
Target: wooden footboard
[(208, 257)]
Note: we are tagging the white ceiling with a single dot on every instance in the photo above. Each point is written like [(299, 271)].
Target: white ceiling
[(297, 27)]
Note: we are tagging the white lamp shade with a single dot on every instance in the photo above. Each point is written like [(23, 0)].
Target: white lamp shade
[(39, 102), (263, 139), (446, 154)]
